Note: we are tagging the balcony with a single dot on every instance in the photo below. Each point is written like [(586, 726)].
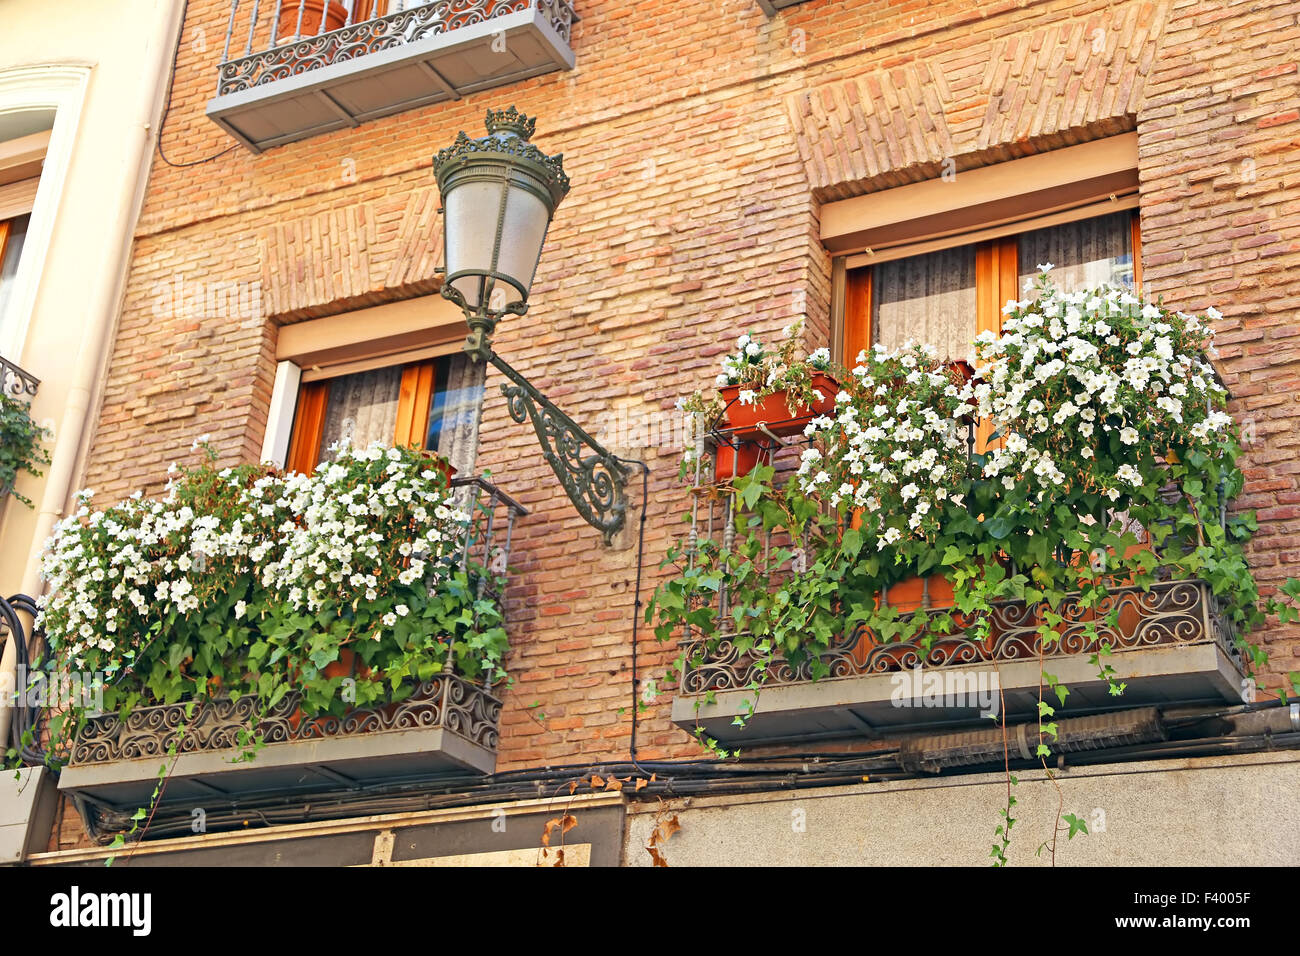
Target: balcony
[(1172, 644), (446, 727), (302, 79), (773, 7)]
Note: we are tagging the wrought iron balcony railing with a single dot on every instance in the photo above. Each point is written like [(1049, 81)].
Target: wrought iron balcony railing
[(291, 69), (1173, 643), (16, 382), (447, 725)]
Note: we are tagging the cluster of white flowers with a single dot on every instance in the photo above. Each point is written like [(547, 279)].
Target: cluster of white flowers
[(749, 355), (1088, 386), (332, 536), (896, 448)]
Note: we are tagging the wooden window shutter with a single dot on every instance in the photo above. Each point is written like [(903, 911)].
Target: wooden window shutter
[(308, 427), (413, 405), (857, 314)]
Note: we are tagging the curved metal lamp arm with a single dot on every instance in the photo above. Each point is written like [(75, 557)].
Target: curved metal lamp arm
[(593, 481)]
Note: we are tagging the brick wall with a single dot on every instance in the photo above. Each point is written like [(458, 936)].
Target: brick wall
[(701, 138)]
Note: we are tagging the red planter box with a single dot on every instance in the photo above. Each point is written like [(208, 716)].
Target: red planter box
[(735, 462), (773, 410)]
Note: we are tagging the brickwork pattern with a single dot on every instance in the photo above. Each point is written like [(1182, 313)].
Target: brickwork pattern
[(701, 138)]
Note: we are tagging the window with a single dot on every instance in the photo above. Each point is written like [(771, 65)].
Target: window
[(947, 297), (13, 233), (431, 404)]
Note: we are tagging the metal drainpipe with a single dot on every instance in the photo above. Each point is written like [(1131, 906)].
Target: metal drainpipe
[(66, 463)]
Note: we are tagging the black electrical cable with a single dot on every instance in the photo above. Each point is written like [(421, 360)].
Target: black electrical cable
[(636, 603), (167, 106)]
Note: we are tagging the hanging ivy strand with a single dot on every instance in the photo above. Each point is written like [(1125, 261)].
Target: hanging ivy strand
[(22, 445)]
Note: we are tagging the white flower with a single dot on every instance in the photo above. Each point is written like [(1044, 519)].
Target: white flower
[(240, 608)]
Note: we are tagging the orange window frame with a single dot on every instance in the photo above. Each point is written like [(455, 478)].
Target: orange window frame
[(414, 399)]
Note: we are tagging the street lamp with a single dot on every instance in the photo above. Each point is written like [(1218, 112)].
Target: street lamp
[(498, 196)]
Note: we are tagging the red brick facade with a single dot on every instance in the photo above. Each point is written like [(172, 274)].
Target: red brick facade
[(701, 139)]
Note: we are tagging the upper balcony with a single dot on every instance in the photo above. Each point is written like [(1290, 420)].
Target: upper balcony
[(291, 69)]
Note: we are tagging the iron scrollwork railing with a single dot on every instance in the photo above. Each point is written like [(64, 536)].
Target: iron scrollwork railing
[(27, 710), (16, 382), (445, 701), (268, 57), (594, 482), (1171, 613)]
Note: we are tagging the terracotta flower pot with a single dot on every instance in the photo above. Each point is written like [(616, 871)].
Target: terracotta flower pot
[(774, 412), (345, 666), (735, 462), (335, 17)]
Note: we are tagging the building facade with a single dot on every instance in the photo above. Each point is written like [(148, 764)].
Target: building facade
[(79, 106), (880, 170)]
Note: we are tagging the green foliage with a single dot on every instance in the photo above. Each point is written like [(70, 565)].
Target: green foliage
[(21, 444), (348, 586)]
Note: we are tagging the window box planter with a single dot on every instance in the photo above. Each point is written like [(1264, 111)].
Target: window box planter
[(774, 410), (316, 18), (447, 725), (1173, 644), (736, 461)]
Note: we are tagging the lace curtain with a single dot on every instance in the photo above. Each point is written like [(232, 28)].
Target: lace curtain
[(1082, 254), (362, 408), (928, 298), (454, 415)]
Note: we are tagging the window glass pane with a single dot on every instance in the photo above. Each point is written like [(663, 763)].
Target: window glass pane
[(928, 298), (1083, 254), (362, 408), (13, 249), (454, 410)]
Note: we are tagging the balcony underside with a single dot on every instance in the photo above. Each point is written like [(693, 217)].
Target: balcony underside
[(363, 72), (772, 7), (447, 726), (1172, 646)]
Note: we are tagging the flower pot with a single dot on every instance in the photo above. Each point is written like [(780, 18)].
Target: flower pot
[(774, 412), (735, 462), (335, 17), (909, 594), (345, 666)]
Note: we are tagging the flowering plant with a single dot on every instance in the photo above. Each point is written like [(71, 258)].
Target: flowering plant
[(1093, 390), (251, 580), (895, 449), (761, 373)]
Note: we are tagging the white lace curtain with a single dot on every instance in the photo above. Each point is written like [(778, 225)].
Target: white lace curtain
[(928, 298), (363, 408), (454, 417), (1082, 254)]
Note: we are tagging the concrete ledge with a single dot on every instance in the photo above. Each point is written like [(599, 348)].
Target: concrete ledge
[(1203, 811)]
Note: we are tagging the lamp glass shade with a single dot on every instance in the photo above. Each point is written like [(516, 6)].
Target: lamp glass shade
[(499, 266)]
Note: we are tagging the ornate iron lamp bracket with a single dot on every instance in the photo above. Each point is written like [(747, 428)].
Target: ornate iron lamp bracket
[(593, 481)]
